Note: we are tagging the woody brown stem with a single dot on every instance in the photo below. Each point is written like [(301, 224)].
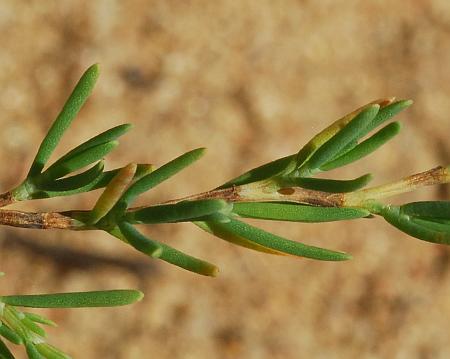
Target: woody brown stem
[(37, 220), (6, 198)]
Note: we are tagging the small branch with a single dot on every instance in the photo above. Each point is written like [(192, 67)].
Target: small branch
[(38, 220), (438, 175)]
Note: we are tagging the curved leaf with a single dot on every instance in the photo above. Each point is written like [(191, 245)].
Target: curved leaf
[(71, 108), (274, 242), (139, 241), (4, 351)]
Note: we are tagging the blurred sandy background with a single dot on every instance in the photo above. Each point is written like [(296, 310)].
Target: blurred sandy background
[(252, 81)]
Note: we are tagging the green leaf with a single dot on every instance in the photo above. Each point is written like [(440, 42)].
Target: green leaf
[(78, 161), (106, 298), (386, 113), (104, 137), (178, 212), (71, 108), (296, 212), (32, 351), (33, 327), (275, 242), (327, 185), (426, 230), (75, 182), (101, 182), (351, 132), (39, 319), (4, 351), (112, 193), (161, 174), (7, 333), (180, 259), (139, 241), (210, 226), (263, 172), (364, 148), (50, 352), (427, 209)]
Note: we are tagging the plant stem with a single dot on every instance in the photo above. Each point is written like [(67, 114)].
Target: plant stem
[(437, 175), (38, 220)]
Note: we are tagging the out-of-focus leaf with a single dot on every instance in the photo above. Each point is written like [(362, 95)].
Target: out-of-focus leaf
[(4, 351), (71, 108), (50, 352), (7, 333), (32, 351), (39, 319), (297, 212)]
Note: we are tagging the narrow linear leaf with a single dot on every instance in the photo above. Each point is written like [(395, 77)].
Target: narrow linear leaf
[(427, 209), (32, 351), (323, 136), (161, 174), (231, 237), (7, 333), (71, 108), (365, 148), (185, 261), (178, 212), (50, 352), (78, 161), (263, 172), (386, 113), (297, 212), (77, 181), (139, 241), (104, 137), (178, 258), (101, 182), (112, 193), (278, 243), (39, 319), (107, 298), (340, 140), (416, 228), (4, 351), (328, 185), (33, 327)]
